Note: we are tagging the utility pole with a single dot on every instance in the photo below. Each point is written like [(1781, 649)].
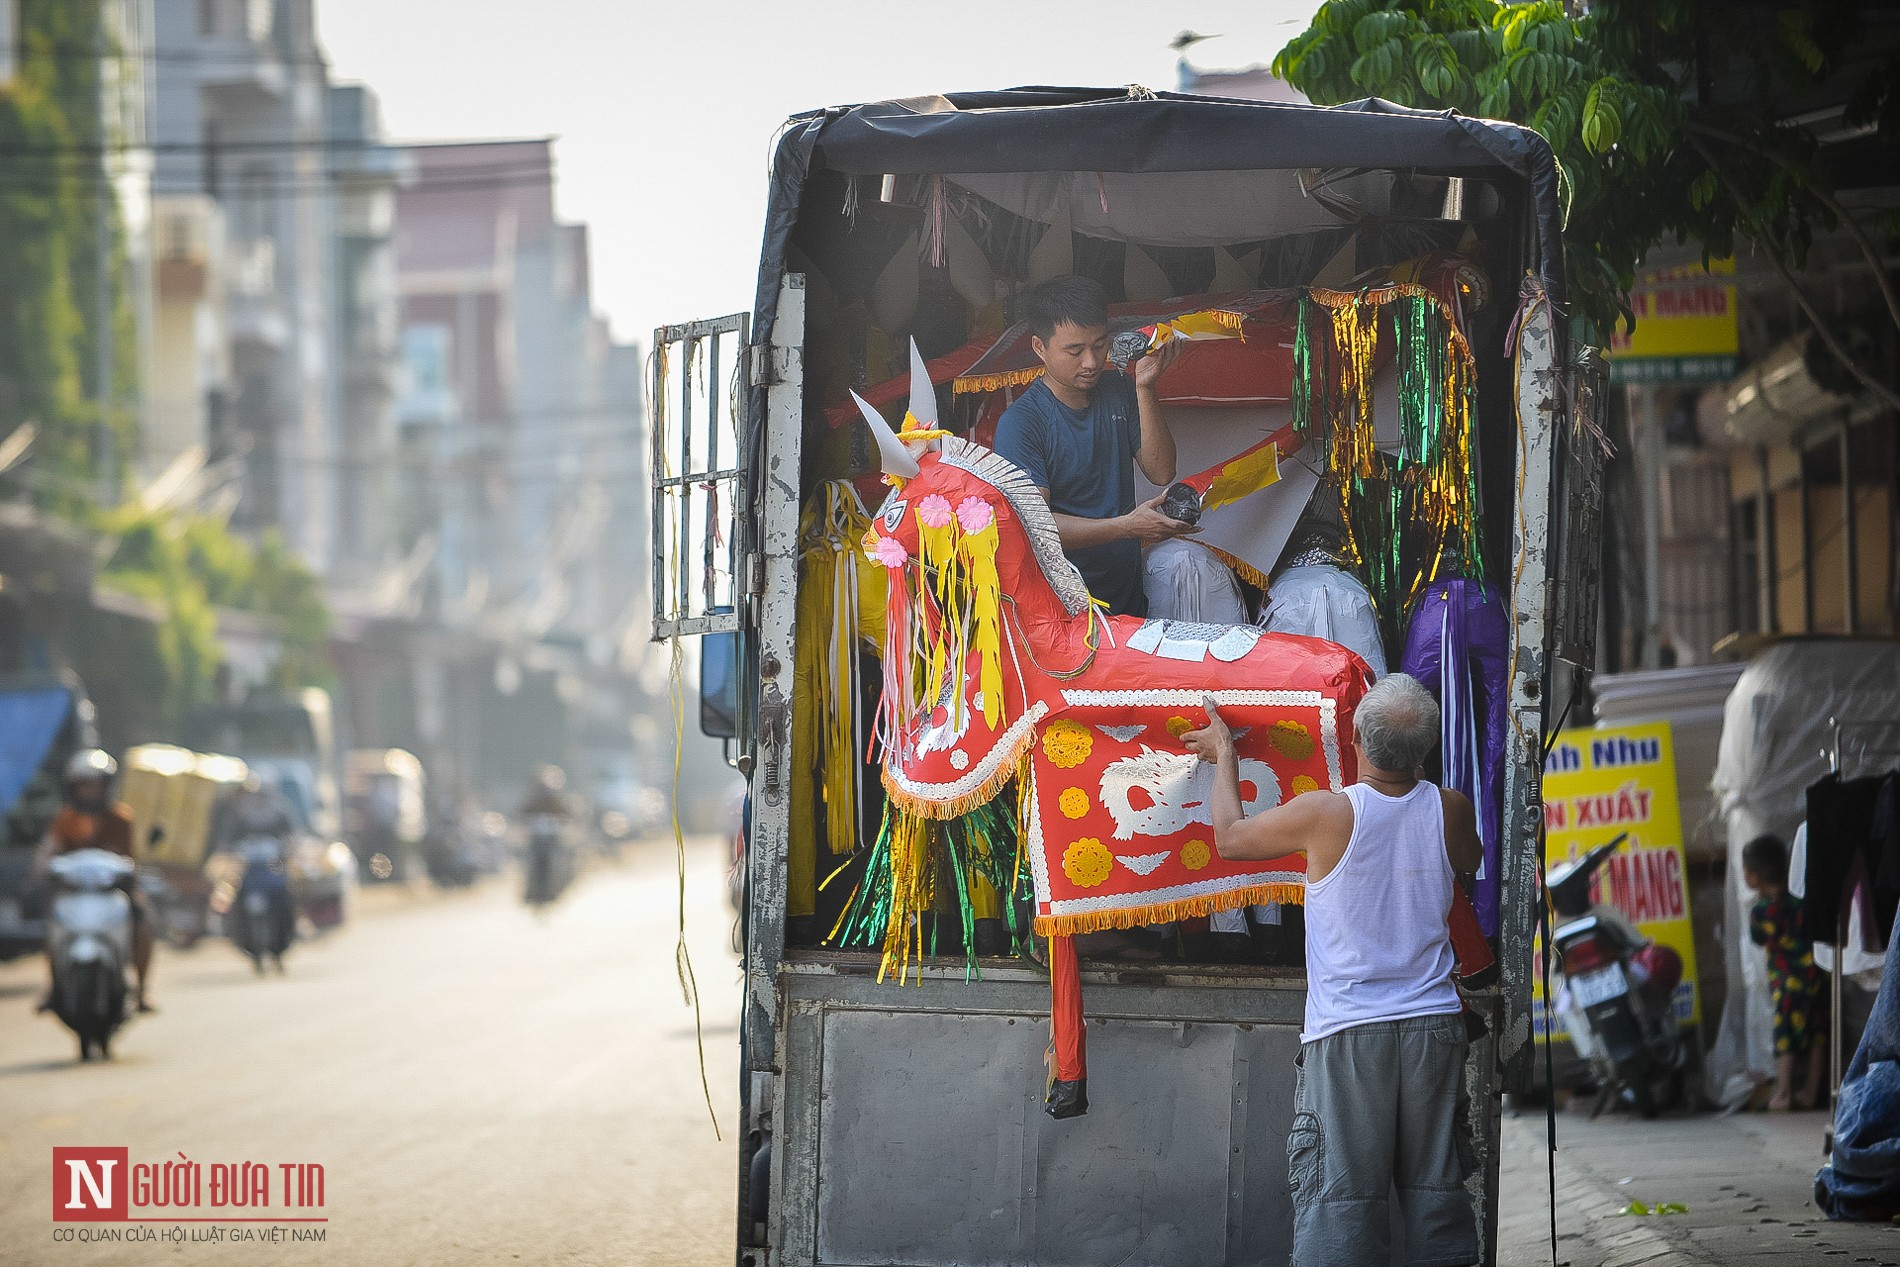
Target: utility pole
[(104, 352), (1649, 474)]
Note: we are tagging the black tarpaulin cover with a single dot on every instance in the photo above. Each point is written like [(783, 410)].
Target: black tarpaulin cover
[(1134, 130)]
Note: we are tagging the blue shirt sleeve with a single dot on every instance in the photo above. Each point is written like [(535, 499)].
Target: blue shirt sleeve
[(1021, 438)]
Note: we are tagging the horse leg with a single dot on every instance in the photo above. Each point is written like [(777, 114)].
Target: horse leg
[(1069, 1084)]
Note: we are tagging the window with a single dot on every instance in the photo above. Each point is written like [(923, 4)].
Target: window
[(699, 382)]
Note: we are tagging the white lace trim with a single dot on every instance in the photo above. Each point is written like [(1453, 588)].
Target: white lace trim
[(992, 762)]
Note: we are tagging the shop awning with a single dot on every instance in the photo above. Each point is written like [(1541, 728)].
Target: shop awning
[(29, 722)]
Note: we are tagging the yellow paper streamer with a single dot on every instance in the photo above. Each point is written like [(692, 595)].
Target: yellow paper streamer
[(1245, 475), (979, 551)]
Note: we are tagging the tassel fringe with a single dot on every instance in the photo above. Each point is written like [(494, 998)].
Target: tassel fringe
[(1166, 912), (971, 384), (969, 802)]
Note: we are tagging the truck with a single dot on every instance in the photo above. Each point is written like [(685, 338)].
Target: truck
[(288, 741), (902, 1124)]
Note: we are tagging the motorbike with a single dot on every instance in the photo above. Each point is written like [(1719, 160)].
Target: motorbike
[(1616, 998), (180, 903), (263, 919), (550, 861), (89, 941), (451, 856)]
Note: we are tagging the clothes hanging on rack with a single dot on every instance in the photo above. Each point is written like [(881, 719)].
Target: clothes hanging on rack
[(1886, 833), (1864, 950), (1845, 848)]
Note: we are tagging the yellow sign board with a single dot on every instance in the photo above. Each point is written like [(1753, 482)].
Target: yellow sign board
[(1685, 327), (1601, 782)]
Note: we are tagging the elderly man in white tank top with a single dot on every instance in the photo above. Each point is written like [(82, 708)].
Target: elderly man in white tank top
[(1380, 1109)]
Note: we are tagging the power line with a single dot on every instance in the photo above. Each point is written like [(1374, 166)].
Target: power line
[(26, 52), (285, 144), (329, 184)]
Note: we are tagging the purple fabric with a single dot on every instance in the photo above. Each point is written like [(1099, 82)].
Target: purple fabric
[(1457, 646)]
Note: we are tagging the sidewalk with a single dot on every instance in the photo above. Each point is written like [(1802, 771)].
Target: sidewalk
[(1747, 1180)]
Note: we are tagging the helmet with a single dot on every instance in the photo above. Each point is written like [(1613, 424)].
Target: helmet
[(91, 763)]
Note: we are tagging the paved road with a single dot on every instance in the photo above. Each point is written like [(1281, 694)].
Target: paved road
[(479, 1085), (1746, 1183)]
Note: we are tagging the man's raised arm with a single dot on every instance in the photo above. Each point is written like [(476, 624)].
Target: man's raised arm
[(1304, 824)]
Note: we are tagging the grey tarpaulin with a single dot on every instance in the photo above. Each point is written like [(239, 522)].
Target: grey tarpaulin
[(1775, 737), (1135, 130)]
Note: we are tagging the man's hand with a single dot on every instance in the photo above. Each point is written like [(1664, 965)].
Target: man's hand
[(1149, 368), (1146, 524), (1213, 741)]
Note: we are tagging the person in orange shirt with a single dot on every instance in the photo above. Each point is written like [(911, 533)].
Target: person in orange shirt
[(91, 819)]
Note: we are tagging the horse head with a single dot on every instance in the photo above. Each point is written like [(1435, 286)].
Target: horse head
[(978, 584)]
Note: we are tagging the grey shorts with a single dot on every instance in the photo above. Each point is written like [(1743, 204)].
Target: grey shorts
[(1380, 1115)]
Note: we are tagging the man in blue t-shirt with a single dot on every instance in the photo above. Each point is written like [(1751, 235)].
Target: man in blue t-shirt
[(1074, 432)]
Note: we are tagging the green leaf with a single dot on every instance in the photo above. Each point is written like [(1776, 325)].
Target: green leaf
[(1373, 71), (1437, 66), (1795, 27), (1375, 29), (1702, 190), (1475, 47), (1602, 121)]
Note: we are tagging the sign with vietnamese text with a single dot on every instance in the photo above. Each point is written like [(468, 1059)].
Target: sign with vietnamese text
[(1685, 327), (1601, 782)]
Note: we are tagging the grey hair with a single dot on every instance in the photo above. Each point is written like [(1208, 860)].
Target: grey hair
[(1397, 723)]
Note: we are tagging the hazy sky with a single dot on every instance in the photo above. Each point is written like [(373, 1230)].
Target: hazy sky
[(666, 111)]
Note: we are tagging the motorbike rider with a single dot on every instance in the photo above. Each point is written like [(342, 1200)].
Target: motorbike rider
[(255, 809), (91, 819), (545, 800)]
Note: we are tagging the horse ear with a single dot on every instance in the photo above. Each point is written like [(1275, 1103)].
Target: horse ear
[(923, 395), (896, 459)]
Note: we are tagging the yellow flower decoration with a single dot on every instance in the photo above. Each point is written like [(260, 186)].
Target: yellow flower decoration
[(1074, 802), (1067, 744), (1178, 726), (1291, 739), (1195, 854), (1304, 783), (1087, 862)]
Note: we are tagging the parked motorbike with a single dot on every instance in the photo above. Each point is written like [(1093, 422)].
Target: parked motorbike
[(1618, 990), (89, 940), (550, 859), (263, 919)]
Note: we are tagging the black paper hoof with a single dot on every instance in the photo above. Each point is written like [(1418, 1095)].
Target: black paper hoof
[(1067, 1099)]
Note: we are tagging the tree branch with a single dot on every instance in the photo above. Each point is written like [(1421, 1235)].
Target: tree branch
[(1867, 249), (1872, 384)]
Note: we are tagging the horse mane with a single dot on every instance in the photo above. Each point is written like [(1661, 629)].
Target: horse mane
[(1038, 522)]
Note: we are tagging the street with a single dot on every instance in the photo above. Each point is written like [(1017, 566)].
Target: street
[(480, 1085)]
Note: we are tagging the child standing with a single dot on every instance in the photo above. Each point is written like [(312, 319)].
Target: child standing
[(1794, 982)]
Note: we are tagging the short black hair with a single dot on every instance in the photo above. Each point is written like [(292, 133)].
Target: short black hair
[(1076, 300), (1767, 857)]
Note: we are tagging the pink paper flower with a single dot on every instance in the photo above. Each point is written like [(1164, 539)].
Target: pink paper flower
[(891, 552), (934, 511), (975, 514)]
